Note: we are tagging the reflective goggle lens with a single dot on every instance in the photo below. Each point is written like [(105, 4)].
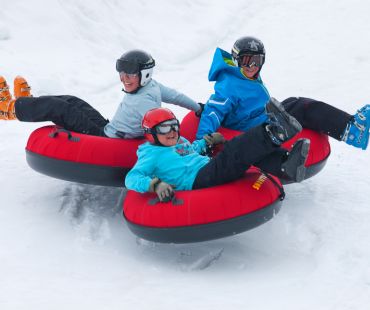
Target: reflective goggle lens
[(127, 67), (251, 60), (166, 127)]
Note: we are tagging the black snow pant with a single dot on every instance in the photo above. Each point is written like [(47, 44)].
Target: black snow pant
[(69, 112), (318, 116), (253, 147)]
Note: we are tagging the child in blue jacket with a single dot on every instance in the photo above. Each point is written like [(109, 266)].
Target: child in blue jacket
[(170, 161), (240, 98)]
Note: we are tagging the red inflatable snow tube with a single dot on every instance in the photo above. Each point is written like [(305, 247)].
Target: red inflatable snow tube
[(317, 156), (192, 216), (205, 214), (81, 158)]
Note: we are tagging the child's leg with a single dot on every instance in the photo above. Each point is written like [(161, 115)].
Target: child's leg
[(272, 163), (58, 111), (287, 165), (318, 116), (236, 157), (253, 146), (88, 110)]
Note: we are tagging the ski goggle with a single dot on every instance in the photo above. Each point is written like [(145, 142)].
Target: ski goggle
[(127, 66), (167, 126), (251, 60), (131, 67)]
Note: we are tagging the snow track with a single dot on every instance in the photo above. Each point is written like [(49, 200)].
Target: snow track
[(67, 245)]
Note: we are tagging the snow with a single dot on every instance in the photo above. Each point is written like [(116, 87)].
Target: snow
[(67, 245)]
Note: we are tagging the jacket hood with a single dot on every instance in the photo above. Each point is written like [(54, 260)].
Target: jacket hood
[(222, 63)]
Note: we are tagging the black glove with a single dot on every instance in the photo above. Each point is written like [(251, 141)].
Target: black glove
[(200, 111), (164, 191)]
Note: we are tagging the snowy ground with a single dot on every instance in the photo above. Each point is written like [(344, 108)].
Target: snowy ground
[(66, 245)]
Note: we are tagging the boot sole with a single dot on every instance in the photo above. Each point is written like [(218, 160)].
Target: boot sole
[(300, 171), (275, 107)]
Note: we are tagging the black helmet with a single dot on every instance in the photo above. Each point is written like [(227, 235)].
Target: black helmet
[(136, 61), (247, 46)]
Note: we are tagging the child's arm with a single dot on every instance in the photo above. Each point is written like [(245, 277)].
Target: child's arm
[(170, 95), (200, 146), (141, 176), (215, 110)]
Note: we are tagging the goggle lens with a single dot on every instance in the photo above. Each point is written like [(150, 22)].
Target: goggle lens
[(167, 127), (127, 67), (251, 61)]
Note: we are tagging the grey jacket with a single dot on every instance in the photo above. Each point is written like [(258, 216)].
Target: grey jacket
[(126, 122)]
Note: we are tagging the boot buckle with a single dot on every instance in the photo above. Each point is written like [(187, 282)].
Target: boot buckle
[(5, 88)]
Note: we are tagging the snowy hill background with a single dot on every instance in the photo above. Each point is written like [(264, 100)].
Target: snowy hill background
[(66, 245)]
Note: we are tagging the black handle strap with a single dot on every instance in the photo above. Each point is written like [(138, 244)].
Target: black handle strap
[(279, 187), (57, 131)]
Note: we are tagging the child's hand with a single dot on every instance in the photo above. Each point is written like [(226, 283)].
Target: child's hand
[(164, 191), (214, 138)]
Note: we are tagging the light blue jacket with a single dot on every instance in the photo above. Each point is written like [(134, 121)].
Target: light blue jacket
[(238, 102), (126, 123), (176, 165)]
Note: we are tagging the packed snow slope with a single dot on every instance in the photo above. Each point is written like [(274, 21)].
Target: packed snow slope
[(67, 245)]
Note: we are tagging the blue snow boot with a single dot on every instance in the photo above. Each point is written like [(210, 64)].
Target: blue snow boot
[(357, 131)]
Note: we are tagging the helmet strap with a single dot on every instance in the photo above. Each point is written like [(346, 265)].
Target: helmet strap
[(132, 92), (258, 73), (156, 141)]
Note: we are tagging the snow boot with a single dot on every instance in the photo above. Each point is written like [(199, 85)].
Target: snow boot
[(281, 126), (21, 87), (357, 131), (293, 168), (6, 102)]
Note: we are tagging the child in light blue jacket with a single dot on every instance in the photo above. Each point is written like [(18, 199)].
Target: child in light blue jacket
[(169, 161)]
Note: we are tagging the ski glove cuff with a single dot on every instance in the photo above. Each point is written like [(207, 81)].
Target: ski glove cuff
[(201, 109)]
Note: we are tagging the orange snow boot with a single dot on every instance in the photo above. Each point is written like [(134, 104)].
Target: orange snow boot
[(21, 87), (6, 102)]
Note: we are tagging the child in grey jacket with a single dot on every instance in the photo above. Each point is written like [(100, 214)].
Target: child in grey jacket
[(142, 94)]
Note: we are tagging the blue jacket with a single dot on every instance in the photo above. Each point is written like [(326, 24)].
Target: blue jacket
[(238, 102), (176, 165)]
